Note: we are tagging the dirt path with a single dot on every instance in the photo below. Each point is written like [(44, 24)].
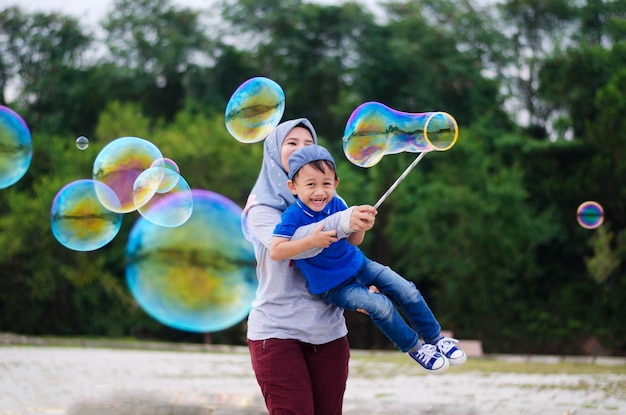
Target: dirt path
[(97, 381)]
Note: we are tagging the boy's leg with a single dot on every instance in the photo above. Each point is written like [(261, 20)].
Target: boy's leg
[(406, 296), (382, 312), (283, 375), (328, 366)]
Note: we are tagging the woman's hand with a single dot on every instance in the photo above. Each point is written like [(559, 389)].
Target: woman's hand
[(373, 290), (362, 218)]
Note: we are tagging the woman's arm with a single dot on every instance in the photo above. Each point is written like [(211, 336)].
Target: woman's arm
[(286, 248), (263, 219)]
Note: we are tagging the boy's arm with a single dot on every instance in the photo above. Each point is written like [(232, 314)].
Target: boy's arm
[(356, 238), (262, 220), (285, 248)]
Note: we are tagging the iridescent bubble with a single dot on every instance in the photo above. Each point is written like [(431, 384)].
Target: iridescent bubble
[(374, 130), (590, 215), (79, 220), (119, 164), (164, 208), (82, 142), (254, 109), (199, 276), (16, 148), (167, 181)]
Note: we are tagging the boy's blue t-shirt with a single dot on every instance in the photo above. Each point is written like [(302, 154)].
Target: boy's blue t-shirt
[(333, 265)]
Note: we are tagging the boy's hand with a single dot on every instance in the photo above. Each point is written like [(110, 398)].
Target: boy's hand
[(321, 238)]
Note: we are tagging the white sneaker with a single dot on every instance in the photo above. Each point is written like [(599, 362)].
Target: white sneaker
[(430, 359), (446, 346)]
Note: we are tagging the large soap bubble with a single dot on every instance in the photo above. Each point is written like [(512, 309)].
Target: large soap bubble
[(590, 215), (16, 149), (374, 130), (79, 219), (254, 109), (199, 276), (119, 164)]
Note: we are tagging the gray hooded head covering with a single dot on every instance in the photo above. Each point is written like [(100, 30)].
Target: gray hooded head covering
[(271, 188)]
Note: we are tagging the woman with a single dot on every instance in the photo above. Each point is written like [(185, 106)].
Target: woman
[(297, 343)]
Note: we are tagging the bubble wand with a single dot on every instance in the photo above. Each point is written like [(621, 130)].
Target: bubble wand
[(374, 130), (399, 179)]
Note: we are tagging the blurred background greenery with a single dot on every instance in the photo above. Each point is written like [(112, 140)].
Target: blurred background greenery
[(487, 230)]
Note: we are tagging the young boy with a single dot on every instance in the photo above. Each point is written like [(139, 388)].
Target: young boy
[(341, 274)]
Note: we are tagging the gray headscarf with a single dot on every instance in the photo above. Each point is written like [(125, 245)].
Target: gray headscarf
[(270, 188)]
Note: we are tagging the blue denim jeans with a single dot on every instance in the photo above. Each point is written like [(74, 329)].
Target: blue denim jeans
[(394, 291)]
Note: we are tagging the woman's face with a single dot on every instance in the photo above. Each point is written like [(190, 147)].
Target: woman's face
[(296, 138)]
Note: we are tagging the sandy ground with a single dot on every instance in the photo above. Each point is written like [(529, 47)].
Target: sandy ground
[(97, 381)]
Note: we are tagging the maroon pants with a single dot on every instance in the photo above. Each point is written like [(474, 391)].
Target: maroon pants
[(299, 378)]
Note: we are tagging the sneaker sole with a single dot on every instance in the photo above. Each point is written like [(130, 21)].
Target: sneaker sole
[(458, 361), (446, 365)]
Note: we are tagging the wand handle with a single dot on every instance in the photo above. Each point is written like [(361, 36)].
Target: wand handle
[(397, 182)]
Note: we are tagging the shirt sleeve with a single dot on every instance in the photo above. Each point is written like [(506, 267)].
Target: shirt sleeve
[(263, 219), (287, 226), (261, 223)]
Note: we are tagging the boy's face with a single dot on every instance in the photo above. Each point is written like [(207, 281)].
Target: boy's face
[(314, 188), (296, 138)]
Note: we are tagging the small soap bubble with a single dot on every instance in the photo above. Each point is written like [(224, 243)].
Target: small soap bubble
[(199, 276), (82, 142), (590, 215), (374, 130), (254, 109), (79, 219), (16, 149)]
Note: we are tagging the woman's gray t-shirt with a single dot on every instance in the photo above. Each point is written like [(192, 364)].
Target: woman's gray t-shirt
[(284, 307)]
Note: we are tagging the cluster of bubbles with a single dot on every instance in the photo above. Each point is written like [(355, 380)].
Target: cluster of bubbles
[(590, 215), (254, 109), (374, 130), (129, 174), (188, 264), (16, 148)]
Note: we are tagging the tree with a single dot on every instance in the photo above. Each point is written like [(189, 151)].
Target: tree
[(536, 29), (43, 54), (154, 44), (307, 48)]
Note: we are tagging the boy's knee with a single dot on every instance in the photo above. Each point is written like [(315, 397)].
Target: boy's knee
[(380, 307)]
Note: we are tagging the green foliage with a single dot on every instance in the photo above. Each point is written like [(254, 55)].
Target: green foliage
[(604, 261), (307, 48), (208, 156)]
